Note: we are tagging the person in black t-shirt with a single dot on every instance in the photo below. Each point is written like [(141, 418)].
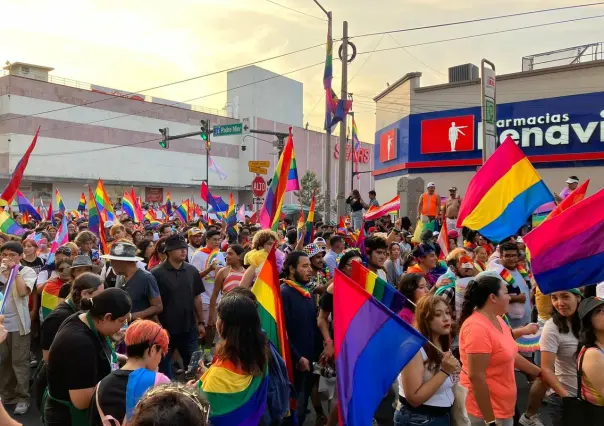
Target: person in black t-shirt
[(180, 287), (81, 355), (115, 395)]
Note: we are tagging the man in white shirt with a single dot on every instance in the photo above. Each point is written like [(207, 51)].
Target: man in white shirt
[(14, 351)]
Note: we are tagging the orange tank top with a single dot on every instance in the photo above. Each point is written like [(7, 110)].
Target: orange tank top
[(429, 204)]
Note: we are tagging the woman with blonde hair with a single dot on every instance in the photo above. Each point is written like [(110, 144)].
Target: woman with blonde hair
[(262, 244), (426, 382)]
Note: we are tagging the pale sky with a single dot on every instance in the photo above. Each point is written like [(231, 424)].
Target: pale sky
[(135, 44)]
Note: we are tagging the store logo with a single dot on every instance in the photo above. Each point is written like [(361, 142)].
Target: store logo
[(449, 134), (388, 145)]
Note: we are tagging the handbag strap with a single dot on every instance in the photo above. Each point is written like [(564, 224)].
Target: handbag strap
[(580, 374), (106, 420)]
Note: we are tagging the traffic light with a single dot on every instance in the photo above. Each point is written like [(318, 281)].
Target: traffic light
[(205, 129), (165, 141)]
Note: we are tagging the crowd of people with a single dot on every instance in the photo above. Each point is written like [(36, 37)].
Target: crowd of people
[(164, 329)]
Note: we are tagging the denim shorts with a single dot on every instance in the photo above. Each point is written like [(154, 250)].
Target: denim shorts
[(406, 417)]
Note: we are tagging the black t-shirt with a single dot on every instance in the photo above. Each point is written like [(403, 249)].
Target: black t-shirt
[(112, 397), (355, 204), (65, 290), (53, 322), (178, 289), (36, 264), (326, 302), (142, 287), (77, 360)]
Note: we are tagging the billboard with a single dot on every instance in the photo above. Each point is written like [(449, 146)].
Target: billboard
[(388, 145), (448, 134)]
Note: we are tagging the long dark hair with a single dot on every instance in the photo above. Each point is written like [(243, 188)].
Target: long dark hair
[(244, 342), (113, 301), (477, 294), (562, 323), (407, 286), (86, 281), (587, 335), (424, 314)]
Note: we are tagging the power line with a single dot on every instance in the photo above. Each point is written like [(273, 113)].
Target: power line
[(489, 18), (416, 58), (297, 11), (485, 34), (167, 84), (366, 60)]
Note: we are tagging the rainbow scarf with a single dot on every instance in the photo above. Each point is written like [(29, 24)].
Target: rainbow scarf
[(524, 273), (509, 279), (480, 266), (298, 287), (236, 398)]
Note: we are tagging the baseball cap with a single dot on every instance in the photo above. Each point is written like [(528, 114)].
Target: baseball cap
[(431, 185), (453, 188), (572, 179), (312, 250), (320, 241), (588, 305), (453, 234), (194, 231)]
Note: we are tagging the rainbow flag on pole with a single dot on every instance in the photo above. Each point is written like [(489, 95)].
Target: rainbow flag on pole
[(93, 214), (26, 207), (391, 206), (365, 330), (60, 201), (103, 202), (9, 226), (310, 222), (183, 211), (283, 181), (378, 288), (82, 203), (567, 251), (503, 194), (13, 184), (231, 215), (128, 205)]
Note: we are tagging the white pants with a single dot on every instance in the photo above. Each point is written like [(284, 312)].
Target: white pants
[(357, 219)]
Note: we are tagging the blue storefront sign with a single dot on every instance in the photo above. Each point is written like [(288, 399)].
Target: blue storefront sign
[(552, 132)]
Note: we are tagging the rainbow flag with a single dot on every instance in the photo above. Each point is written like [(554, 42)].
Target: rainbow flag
[(26, 207), (103, 202), (169, 204), (573, 198), (61, 238), (128, 205), (310, 222), (154, 223), (8, 225), (183, 211), (216, 202), (391, 206), (82, 204), (301, 223), (342, 228), (503, 194), (292, 177), (103, 236), (150, 215), (236, 398), (49, 215), (567, 251), (50, 297), (271, 209), (231, 215), (270, 308), (138, 210), (360, 242), (443, 241), (365, 330), (93, 215), (60, 201), (13, 184), (378, 288)]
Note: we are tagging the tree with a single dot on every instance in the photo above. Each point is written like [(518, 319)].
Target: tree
[(309, 185)]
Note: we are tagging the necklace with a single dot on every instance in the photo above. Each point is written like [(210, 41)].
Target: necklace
[(492, 319)]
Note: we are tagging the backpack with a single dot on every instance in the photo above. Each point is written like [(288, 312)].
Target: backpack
[(279, 388)]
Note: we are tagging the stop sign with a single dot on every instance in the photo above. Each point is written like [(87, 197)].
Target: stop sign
[(258, 186)]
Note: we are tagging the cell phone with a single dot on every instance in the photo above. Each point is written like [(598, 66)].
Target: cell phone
[(193, 365)]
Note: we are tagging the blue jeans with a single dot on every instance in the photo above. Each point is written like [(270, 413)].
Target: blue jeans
[(406, 417), (552, 410), (186, 343)]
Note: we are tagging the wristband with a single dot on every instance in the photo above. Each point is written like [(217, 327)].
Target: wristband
[(327, 341), (448, 375)]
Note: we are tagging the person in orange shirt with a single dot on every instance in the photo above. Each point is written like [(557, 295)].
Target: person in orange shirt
[(428, 207)]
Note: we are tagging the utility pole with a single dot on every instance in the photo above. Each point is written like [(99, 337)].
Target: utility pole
[(327, 171), (343, 97)]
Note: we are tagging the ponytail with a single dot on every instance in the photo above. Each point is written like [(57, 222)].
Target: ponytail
[(86, 281), (113, 301), (477, 294)]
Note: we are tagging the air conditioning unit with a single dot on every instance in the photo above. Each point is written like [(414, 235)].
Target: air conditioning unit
[(466, 72)]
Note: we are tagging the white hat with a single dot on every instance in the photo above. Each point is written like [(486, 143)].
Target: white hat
[(108, 224), (122, 251), (572, 179), (435, 234), (431, 185)]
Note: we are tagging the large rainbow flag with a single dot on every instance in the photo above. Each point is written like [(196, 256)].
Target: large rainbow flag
[(391, 206), (283, 180), (503, 194), (103, 203), (9, 226), (236, 398), (378, 288), (567, 251), (270, 308), (365, 330)]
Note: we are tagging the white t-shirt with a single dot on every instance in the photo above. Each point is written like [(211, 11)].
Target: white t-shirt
[(444, 395), (11, 310), (201, 261), (564, 346), (600, 290)]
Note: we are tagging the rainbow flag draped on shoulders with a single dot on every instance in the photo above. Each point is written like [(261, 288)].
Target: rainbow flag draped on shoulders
[(503, 194), (365, 330), (236, 398), (283, 180), (567, 251)]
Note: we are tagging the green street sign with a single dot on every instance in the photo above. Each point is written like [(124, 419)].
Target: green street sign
[(229, 129), (489, 111)]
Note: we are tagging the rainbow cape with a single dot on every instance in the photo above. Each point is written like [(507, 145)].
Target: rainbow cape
[(378, 288), (283, 180), (567, 251), (503, 194), (365, 330), (236, 398), (9, 226)]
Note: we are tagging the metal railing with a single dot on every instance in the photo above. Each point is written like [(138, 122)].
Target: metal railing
[(62, 81), (567, 56)]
